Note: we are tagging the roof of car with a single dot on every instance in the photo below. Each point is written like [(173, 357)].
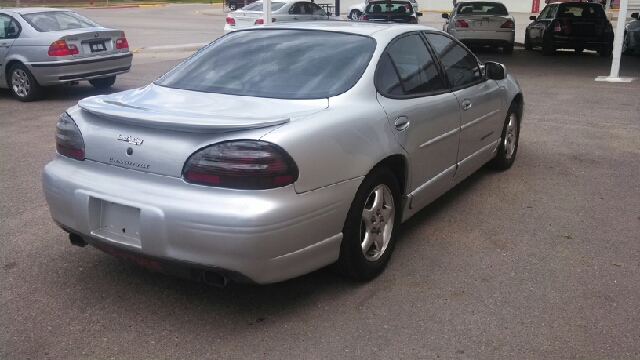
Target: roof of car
[(32, 10), (354, 27)]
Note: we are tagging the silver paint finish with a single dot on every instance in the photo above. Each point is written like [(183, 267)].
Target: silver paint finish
[(270, 235), (378, 218)]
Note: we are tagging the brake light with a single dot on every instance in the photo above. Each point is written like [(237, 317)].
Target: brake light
[(508, 25), (122, 43), (241, 164), (260, 21), (364, 17), (69, 140), (556, 26), (414, 20), (230, 20), (61, 48), (461, 23)]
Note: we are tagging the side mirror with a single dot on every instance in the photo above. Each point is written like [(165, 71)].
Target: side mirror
[(635, 16), (419, 14), (445, 16), (495, 71), (532, 18)]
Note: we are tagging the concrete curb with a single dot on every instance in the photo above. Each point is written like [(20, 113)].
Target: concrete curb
[(127, 6)]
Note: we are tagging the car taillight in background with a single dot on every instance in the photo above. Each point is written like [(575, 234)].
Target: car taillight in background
[(69, 140), (508, 25), (61, 48), (260, 21), (461, 23), (241, 164), (556, 26), (122, 43), (413, 20), (230, 20), (364, 17)]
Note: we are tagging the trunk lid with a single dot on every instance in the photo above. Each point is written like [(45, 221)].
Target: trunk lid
[(93, 41), (246, 19), (155, 129), (484, 22), (583, 28), (397, 18)]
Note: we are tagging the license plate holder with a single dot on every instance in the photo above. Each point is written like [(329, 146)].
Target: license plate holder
[(97, 47), (119, 223)]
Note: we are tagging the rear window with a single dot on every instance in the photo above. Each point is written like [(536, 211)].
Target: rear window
[(58, 21), (389, 7), (582, 11), (482, 8), (257, 6), (275, 63)]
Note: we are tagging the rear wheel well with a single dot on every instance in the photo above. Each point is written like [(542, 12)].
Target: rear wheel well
[(398, 166), (7, 68), (518, 100)]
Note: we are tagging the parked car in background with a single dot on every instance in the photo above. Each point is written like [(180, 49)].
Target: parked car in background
[(281, 11), (482, 23), (391, 11), (570, 25), (631, 35), (278, 150), (42, 46), (237, 4), (355, 11)]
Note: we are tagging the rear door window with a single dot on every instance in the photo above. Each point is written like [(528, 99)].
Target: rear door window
[(9, 28), (460, 65), (257, 6)]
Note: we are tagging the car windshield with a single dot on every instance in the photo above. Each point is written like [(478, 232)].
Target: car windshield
[(482, 8), (582, 11), (275, 63), (257, 6), (389, 7), (58, 21)]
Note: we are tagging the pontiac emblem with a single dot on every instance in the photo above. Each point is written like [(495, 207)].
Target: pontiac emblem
[(130, 139)]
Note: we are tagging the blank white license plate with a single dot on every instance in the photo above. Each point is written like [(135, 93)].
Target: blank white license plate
[(119, 223), (97, 47)]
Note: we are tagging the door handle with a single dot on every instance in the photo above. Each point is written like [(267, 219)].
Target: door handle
[(401, 123), (466, 105)]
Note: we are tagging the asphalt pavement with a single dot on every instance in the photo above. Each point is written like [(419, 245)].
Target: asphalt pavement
[(538, 262)]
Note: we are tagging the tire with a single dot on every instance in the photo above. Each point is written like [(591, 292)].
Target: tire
[(355, 15), (527, 42), (547, 48), (606, 51), (508, 49), (232, 6), (625, 45), (22, 83), (578, 50), (508, 148), (103, 83), (372, 220)]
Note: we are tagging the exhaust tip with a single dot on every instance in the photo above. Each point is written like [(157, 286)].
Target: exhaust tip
[(214, 279), (77, 240)]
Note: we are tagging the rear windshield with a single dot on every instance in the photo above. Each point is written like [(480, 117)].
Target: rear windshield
[(389, 7), (582, 11), (482, 8), (257, 6), (275, 63), (58, 21)]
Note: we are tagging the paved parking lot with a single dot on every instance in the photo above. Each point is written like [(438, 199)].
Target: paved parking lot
[(539, 262)]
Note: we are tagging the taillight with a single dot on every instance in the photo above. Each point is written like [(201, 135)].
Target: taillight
[(69, 140), (414, 20), (241, 164), (122, 43), (461, 23), (364, 17), (61, 48), (508, 25), (230, 20), (556, 26), (260, 21)]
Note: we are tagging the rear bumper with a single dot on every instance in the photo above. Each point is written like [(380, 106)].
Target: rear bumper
[(251, 236), (59, 72), (484, 37), (565, 42)]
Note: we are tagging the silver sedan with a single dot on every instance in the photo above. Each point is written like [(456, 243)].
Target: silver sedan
[(482, 23), (631, 41), (41, 46), (257, 165)]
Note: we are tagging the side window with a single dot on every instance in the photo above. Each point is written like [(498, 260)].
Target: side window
[(9, 29), (547, 13), (407, 68), (317, 10), (461, 67)]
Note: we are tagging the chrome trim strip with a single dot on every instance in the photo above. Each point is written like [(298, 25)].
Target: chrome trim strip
[(438, 138), (478, 119)]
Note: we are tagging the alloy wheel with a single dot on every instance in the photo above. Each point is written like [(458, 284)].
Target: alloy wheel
[(20, 83), (378, 217), (511, 136)]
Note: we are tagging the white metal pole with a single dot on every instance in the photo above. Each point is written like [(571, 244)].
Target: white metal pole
[(607, 8), (617, 42), (267, 11)]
